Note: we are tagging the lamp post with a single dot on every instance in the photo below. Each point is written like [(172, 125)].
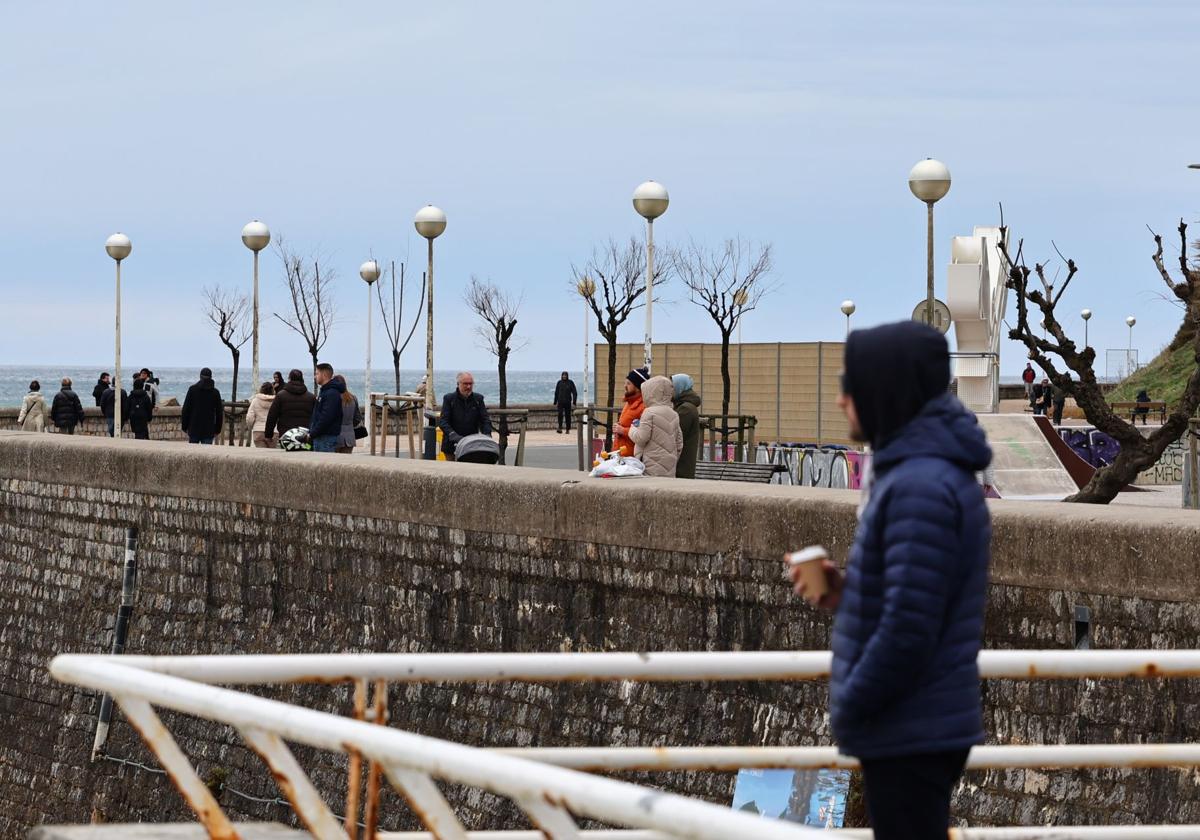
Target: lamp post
[(1086, 315), (929, 181), (650, 200), (848, 309), (1130, 321), (255, 236), (118, 247), (430, 223), (369, 272), (586, 288), (739, 300)]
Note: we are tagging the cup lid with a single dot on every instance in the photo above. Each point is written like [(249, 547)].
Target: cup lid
[(813, 552)]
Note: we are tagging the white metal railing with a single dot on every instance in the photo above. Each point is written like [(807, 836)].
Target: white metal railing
[(548, 783)]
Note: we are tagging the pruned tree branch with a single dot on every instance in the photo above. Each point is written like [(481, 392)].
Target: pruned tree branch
[(310, 287)]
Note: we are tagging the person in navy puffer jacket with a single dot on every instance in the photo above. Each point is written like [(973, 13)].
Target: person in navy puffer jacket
[(905, 695)]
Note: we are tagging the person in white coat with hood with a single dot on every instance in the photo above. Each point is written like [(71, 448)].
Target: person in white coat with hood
[(656, 435)]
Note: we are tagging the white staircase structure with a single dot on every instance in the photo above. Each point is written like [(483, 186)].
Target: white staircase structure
[(976, 296)]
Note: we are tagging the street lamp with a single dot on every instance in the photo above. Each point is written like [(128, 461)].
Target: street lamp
[(368, 271), (118, 247), (255, 236), (430, 223), (929, 181), (1086, 315), (1130, 321), (848, 309), (650, 200), (587, 289)]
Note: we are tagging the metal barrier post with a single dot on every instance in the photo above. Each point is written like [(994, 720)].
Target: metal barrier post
[(1194, 464), (120, 633)]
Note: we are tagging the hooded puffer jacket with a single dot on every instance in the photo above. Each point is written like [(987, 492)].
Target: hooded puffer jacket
[(657, 436), (687, 406), (257, 411), (291, 408)]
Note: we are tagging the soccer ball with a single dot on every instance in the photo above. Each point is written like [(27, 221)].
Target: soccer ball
[(295, 440)]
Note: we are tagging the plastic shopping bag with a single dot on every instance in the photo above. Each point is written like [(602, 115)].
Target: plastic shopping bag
[(617, 467)]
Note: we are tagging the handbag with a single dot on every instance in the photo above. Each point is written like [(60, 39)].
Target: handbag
[(360, 432)]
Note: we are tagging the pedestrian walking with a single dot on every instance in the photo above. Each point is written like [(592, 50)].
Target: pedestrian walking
[(352, 420), (203, 412), (108, 404), (141, 409), (1042, 395), (565, 397), (292, 407), (463, 413), (632, 410), (32, 416), (256, 415), (656, 435), (102, 385), (687, 406), (1058, 398), (66, 411), (277, 383), (325, 426), (1028, 377), (904, 690)]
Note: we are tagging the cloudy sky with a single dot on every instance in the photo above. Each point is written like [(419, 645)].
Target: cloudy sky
[(530, 123)]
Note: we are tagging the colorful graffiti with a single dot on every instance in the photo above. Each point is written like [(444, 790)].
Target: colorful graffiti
[(809, 465), (1099, 450)]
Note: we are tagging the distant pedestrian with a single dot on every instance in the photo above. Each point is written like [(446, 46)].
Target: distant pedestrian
[(352, 419), (256, 415), (631, 411), (108, 406), (292, 407), (1043, 394), (1141, 410), (32, 417), (203, 412), (1028, 377), (565, 397), (277, 383), (66, 411), (463, 413), (102, 385), (423, 385), (656, 433), (904, 690), (141, 410), (150, 385), (325, 426), (1058, 399), (687, 406)]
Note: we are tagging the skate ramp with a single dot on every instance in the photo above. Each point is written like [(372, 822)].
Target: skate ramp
[(1024, 464)]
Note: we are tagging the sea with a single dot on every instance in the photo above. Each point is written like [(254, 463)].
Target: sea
[(524, 386)]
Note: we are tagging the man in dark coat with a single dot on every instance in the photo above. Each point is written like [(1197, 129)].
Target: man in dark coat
[(463, 413), (203, 412), (687, 406), (325, 425), (101, 386), (108, 406), (66, 412), (291, 408), (565, 397), (905, 695), (141, 410)]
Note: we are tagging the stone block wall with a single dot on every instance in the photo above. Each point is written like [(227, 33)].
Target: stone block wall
[(263, 551)]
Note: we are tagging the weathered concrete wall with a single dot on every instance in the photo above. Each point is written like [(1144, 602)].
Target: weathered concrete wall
[(265, 551), (164, 426)]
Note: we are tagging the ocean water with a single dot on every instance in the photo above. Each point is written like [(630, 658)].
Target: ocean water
[(524, 386)]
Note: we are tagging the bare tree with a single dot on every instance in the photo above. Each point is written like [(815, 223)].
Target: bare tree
[(726, 282), (311, 288), (393, 317), (229, 312), (1138, 452), (499, 313), (618, 271)]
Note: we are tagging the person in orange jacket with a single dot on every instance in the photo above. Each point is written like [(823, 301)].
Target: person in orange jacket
[(631, 412)]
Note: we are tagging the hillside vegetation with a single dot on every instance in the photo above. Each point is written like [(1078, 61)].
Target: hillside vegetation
[(1164, 378)]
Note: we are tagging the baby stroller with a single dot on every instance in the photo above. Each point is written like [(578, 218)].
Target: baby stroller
[(477, 449)]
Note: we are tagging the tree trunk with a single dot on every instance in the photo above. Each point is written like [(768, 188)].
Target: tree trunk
[(237, 356), (612, 388), (501, 365), (396, 365), (725, 376)]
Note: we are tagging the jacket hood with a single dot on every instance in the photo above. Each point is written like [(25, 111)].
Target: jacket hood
[(658, 390), (688, 396), (891, 372), (943, 429), (265, 397), (296, 388), (206, 382), (334, 384)]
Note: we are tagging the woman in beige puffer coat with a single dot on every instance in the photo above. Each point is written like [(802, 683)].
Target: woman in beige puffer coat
[(657, 437)]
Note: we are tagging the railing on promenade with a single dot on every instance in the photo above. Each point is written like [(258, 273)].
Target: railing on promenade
[(549, 783)]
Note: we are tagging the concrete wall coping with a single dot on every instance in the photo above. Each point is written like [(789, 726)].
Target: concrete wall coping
[(1147, 552)]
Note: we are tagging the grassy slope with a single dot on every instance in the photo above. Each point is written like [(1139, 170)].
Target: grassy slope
[(1164, 378)]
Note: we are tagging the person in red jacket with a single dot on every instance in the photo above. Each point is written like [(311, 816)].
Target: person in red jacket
[(1028, 376), (631, 412)]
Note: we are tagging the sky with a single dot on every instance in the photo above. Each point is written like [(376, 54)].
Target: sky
[(530, 124)]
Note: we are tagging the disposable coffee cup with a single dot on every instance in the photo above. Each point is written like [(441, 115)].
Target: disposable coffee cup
[(812, 571)]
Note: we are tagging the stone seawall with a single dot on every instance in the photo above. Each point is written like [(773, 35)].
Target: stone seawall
[(263, 551)]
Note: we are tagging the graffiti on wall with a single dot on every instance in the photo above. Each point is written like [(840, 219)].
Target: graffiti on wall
[(1099, 450), (808, 465)]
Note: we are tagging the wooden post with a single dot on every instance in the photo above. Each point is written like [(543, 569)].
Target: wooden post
[(383, 437)]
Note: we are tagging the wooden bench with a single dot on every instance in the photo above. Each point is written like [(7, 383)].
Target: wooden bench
[(1146, 408), (737, 471)]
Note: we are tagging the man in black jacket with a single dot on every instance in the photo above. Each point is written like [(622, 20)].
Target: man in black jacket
[(292, 407), (203, 412), (108, 402), (463, 413), (66, 412), (101, 386), (565, 397), (141, 410)]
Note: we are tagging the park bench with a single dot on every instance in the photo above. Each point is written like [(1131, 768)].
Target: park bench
[(737, 471), (1147, 409)]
